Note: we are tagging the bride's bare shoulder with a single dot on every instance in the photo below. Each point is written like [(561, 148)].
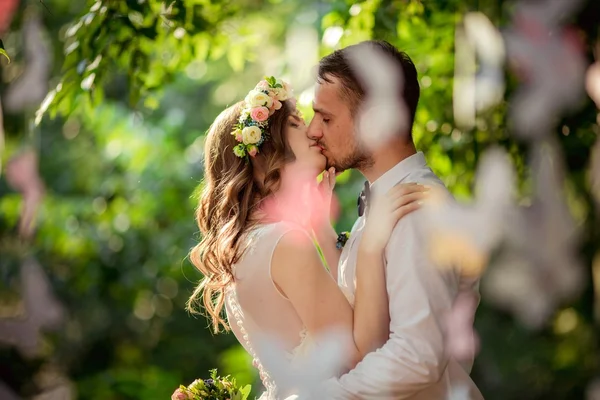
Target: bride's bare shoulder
[(294, 247)]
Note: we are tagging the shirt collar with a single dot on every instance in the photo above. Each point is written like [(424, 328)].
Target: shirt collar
[(397, 173)]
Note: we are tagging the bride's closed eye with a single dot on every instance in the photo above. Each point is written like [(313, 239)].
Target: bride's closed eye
[(296, 122)]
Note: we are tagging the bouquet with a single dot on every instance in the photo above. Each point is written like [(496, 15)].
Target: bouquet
[(215, 388)]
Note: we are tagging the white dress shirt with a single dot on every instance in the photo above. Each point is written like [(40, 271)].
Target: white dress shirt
[(412, 364)]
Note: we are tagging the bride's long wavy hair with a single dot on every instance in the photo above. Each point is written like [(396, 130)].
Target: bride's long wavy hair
[(233, 190)]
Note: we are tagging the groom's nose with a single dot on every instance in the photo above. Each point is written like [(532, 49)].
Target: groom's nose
[(313, 131)]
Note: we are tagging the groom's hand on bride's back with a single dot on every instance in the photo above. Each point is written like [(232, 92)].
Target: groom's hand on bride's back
[(388, 209)]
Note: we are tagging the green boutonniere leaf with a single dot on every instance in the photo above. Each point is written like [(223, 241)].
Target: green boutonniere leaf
[(3, 51)]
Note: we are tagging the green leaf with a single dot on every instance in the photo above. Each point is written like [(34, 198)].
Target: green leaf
[(236, 396), (201, 46), (151, 102), (3, 51), (245, 391), (271, 80)]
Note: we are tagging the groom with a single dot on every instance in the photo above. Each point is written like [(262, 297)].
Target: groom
[(413, 364)]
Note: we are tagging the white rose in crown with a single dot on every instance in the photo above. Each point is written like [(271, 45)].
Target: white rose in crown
[(256, 98), (281, 94), (244, 115), (251, 134), (287, 87)]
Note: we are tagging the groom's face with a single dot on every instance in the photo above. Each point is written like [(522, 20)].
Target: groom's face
[(333, 129)]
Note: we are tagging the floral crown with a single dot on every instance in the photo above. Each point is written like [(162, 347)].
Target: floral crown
[(260, 103)]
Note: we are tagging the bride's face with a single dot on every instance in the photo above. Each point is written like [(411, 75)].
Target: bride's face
[(307, 153)]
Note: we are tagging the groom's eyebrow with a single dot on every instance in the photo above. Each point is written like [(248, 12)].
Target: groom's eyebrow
[(318, 110)]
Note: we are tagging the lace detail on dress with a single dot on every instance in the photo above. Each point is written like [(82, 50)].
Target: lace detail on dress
[(301, 349), (252, 240), (264, 376)]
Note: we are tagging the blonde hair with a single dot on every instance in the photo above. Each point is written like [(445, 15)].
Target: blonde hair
[(230, 194)]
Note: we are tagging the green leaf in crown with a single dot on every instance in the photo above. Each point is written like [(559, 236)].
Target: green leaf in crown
[(271, 80)]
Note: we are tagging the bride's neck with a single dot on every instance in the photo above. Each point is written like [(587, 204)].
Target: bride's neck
[(294, 179), (293, 182)]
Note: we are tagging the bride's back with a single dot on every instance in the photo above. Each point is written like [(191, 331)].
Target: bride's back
[(256, 308)]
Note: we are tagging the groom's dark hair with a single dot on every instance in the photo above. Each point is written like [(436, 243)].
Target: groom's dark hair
[(337, 64)]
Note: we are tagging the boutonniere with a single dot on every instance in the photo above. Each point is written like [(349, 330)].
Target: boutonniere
[(342, 239)]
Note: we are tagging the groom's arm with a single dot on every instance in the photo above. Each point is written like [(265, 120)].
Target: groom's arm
[(413, 358)]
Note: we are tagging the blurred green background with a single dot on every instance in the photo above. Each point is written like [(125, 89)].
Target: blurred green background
[(120, 150)]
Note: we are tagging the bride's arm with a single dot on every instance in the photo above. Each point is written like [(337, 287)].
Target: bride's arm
[(297, 270), (323, 230), (327, 240), (371, 306)]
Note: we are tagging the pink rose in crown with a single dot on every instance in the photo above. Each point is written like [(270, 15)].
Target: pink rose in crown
[(238, 135), (276, 104), (252, 150), (263, 85), (259, 114)]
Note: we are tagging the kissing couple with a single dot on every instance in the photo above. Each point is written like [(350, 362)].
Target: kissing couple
[(262, 211)]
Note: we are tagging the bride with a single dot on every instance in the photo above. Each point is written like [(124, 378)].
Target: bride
[(260, 211)]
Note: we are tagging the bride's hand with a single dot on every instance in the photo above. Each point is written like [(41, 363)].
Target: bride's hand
[(321, 217), (387, 210), (327, 185)]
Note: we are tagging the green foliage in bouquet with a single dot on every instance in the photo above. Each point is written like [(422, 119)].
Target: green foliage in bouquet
[(215, 388)]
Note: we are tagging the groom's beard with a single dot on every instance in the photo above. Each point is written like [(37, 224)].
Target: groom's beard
[(357, 159)]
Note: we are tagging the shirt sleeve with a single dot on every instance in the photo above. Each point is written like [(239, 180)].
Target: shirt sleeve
[(420, 294)]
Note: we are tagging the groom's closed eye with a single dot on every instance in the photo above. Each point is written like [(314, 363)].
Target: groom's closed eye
[(325, 116)]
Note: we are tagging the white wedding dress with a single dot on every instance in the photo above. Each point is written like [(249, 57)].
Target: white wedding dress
[(262, 318)]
